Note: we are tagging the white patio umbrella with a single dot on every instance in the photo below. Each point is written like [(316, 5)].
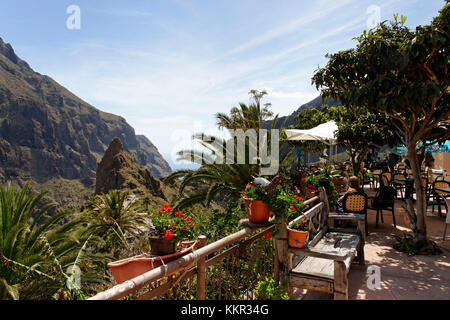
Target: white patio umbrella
[(323, 132)]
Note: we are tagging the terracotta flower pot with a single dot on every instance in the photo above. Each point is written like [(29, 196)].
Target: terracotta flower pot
[(161, 246), (297, 238), (257, 211), (310, 193), (130, 268)]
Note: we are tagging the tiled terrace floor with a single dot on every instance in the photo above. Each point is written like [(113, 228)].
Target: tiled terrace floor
[(402, 277)]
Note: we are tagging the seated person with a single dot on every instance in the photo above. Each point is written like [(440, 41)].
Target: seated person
[(354, 185)]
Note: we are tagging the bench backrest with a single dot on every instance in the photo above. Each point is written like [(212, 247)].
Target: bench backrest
[(317, 216)]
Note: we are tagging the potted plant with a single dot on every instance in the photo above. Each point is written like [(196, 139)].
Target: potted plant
[(298, 232), (257, 210), (263, 202), (169, 230), (167, 244), (312, 186)]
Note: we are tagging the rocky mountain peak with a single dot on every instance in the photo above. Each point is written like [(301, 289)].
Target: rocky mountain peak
[(117, 170)]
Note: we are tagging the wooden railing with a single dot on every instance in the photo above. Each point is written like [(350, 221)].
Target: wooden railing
[(225, 269)]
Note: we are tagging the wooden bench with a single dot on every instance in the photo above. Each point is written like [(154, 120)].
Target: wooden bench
[(323, 264)]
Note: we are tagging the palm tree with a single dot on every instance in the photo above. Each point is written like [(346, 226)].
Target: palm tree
[(246, 117), (34, 247), (219, 179), (113, 217)]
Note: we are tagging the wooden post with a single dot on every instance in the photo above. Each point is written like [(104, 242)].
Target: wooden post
[(201, 272), (281, 248), (340, 281)]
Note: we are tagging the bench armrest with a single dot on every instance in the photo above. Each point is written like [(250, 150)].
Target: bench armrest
[(311, 252), (346, 216)]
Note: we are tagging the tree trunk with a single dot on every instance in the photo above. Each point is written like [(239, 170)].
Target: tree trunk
[(419, 229)]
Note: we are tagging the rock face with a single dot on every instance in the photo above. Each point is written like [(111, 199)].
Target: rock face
[(117, 170), (47, 132)]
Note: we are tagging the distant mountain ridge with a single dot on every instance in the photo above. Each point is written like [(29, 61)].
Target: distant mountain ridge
[(315, 103), (47, 132)]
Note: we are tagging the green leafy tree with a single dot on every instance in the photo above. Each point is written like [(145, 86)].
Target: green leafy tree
[(402, 73), (359, 130)]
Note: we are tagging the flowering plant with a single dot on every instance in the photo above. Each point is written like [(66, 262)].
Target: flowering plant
[(284, 205), (173, 226), (301, 225), (312, 182)]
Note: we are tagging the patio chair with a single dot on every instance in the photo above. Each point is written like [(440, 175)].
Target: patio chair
[(364, 180), (447, 219), (388, 177), (376, 174), (356, 202), (399, 185), (384, 200), (440, 196), (384, 181)]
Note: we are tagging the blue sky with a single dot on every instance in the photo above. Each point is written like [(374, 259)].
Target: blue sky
[(168, 66)]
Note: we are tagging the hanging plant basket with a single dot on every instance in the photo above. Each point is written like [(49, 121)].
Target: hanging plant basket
[(130, 268), (257, 211)]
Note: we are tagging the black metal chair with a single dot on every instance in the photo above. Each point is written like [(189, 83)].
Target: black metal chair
[(399, 185), (384, 200), (440, 196)]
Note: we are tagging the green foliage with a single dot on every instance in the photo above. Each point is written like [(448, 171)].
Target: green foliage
[(36, 248), (111, 216), (401, 73), (173, 226), (283, 204), (218, 179), (266, 290), (301, 225), (412, 247), (246, 117)]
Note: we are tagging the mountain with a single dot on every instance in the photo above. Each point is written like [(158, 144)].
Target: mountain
[(315, 103), (48, 133), (118, 171)]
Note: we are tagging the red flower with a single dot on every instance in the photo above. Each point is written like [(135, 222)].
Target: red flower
[(165, 208), (303, 179), (298, 197), (267, 234), (168, 235), (310, 185), (297, 190), (179, 214), (292, 207)]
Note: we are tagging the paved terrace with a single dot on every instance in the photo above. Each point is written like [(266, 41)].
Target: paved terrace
[(402, 277)]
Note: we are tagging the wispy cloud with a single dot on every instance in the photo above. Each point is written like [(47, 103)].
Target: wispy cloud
[(316, 13)]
